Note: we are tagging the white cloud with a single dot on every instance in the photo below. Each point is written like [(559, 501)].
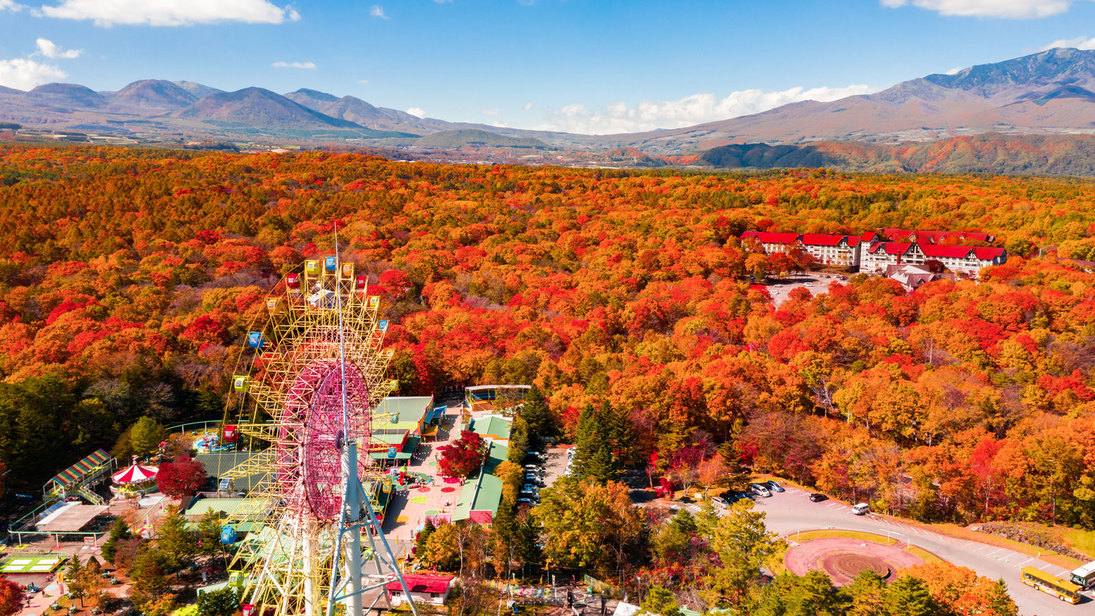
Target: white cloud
[(170, 12), (492, 112), (10, 5), (443, 1), (417, 112), (49, 49), (688, 111), (363, 82), (378, 11), (528, 106), (1081, 42), (25, 74), (952, 71), (294, 65), (1009, 9)]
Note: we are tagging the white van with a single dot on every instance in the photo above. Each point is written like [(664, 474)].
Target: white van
[(861, 509)]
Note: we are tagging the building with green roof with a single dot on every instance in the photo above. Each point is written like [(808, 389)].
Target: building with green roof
[(396, 428), (491, 426), (479, 499)]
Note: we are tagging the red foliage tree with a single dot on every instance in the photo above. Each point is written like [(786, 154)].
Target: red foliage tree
[(180, 478), (11, 597), (464, 456)]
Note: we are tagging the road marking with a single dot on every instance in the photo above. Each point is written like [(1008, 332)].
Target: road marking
[(994, 551), (1024, 562)]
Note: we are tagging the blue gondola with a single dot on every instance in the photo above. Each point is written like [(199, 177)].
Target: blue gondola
[(254, 340)]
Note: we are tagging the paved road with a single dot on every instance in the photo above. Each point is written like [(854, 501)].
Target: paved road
[(792, 511)]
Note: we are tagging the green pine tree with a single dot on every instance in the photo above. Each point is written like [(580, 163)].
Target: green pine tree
[(118, 532), (598, 443), (908, 596), (536, 413), (519, 441), (175, 542), (146, 436), (423, 537)]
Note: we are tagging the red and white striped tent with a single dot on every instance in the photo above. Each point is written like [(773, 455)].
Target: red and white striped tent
[(135, 474)]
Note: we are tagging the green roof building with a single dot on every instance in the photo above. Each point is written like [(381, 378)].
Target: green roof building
[(479, 500), (396, 428), (491, 426)]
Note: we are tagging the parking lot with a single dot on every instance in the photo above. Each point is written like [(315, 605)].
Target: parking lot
[(792, 511), (815, 283)]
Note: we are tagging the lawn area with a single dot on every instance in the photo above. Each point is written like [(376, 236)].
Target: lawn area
[(30, 563), (1082, 541), (846, 534)]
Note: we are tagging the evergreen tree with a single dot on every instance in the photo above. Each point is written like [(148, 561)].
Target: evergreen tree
[(812, 594), (536, 413), (908, 596), (118, 532), (223, 602), (503, 530), (865, 594), (208, 534), (743, 546), (175, 542), (527, 539), (424, 537), (598, 444), (74, 574), (146, 436), (519, 441), (1000, 601)]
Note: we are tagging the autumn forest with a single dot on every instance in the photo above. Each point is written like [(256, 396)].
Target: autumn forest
[(129, 277)]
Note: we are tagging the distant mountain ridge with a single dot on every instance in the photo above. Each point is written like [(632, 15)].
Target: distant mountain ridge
[(1047, 93)]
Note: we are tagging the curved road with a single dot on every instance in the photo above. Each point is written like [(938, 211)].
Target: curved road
[(791, 511)]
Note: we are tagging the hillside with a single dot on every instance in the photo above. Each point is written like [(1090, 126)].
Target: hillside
[(154, 94), (1039, 93), (459, 138), (257, 107), (987, 153)]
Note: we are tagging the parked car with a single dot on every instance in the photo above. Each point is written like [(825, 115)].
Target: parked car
[(861, 509), (743, 494), (759, 490), (817, 498), (772, 485), (721, 500)]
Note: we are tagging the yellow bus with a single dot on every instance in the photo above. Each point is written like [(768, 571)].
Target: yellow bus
[(1051, 585)]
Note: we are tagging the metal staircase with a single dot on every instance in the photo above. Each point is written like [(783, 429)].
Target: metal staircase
[(90, 496)]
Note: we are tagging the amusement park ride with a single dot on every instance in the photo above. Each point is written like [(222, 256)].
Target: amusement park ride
[(315, 375)]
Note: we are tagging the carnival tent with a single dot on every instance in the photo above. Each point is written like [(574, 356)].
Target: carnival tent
[(135, 474)]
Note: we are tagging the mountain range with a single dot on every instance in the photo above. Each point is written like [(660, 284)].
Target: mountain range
[(1048, 93)]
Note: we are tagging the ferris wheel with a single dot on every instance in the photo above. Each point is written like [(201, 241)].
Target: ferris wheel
[(304, 408)]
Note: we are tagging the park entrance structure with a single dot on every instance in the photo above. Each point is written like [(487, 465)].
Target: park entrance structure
[(315, 375)]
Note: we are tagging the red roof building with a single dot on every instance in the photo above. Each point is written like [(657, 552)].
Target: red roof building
[(874, 251), (430, 588)]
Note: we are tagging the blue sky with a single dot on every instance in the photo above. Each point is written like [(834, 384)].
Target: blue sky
[(580, 65)]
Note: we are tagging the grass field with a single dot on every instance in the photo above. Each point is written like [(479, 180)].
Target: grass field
[(1082, 541), (30, 563)]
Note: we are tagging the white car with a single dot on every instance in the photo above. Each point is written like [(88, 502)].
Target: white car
[(861, 509), (759, 490)]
